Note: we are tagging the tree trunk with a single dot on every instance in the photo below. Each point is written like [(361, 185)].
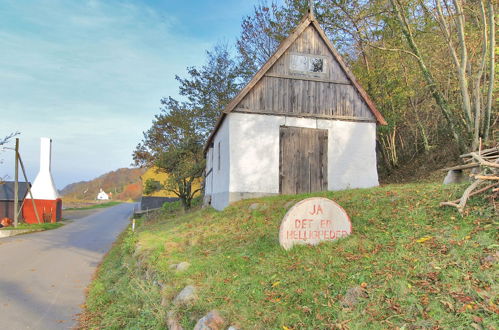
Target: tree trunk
[(477, 97), (492, 41), (428, 76)]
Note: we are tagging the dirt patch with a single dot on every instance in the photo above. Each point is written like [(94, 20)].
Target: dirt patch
[(423, 169)]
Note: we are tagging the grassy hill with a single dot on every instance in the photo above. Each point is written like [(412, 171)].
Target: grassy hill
[(412, 263), (124, 184)]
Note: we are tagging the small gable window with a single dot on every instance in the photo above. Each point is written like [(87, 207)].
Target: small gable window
[(307, 63)]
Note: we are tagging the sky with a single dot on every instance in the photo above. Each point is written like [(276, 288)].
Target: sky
[(90, 74)]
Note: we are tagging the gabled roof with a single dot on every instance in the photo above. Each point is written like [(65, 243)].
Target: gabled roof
[(308, 20), (7, 190)]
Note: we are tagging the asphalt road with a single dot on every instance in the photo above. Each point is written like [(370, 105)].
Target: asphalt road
[(43, 276)]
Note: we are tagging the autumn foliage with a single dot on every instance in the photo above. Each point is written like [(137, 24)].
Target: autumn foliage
[(6, 222)]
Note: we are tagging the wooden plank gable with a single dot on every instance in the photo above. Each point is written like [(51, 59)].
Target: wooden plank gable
[(309, 42), (328, 94)]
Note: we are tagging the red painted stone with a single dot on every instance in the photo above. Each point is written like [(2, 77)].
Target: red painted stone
[(48, 210)]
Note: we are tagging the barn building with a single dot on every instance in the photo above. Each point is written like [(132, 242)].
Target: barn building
[(302, 124)]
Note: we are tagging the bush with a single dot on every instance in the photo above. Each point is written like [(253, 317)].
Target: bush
[(174, 207)]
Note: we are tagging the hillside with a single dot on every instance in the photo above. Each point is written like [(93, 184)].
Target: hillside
[(124, 184), (408, 264)]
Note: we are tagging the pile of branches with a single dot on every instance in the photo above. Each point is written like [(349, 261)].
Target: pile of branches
[(485, 176)]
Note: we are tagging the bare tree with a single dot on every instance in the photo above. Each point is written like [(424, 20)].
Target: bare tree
[(4, 141), (470, 64), (7, 138)]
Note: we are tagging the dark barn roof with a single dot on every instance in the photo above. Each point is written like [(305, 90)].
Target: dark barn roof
[(7, 190)]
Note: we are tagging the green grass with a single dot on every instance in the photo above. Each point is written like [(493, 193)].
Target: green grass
[(95, 206), (36, 226), (239, 268)]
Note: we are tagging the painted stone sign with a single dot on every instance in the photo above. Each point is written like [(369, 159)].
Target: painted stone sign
[(312, 221)]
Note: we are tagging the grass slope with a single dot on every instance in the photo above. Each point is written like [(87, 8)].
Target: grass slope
[(422, 266)]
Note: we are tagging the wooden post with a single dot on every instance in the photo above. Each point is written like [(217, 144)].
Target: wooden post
[(16, 184), (29, 189), (311, 6)]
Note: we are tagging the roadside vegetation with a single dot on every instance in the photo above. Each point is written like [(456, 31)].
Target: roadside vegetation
[(416, 265), (35, 226)]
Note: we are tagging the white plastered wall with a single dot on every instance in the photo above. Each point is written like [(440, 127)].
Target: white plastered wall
[(217, 182), (254, 155), (208, 180), (254, 152), (351, 154)]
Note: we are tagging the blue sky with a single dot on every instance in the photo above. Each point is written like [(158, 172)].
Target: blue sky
[(90, 74)]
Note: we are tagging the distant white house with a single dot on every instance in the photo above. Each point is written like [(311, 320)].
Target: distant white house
[(102, 196), (302, 124)]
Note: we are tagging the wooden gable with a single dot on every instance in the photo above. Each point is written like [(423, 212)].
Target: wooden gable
[(286, 91)]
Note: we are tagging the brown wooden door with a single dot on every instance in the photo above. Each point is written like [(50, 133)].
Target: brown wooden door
[(302, 160)]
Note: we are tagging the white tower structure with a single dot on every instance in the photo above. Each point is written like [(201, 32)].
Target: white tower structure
[(43, 186)]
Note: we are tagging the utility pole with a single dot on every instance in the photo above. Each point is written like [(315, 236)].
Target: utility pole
[(29, 190), (16, 184)]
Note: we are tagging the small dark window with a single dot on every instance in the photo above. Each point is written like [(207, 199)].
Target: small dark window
[(317, 64), (219, 162)]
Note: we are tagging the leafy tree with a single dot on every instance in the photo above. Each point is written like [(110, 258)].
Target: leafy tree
[(175, 141), (174, 146), (211, 87), (184, 164), (175, 122), (151, 186)]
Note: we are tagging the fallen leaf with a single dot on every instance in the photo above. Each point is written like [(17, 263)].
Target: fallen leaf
[(447, 304), (477, 319), (424, 239)]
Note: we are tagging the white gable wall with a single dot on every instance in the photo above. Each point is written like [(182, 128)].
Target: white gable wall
[(218, 161), (254, 155), (208, 177)]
